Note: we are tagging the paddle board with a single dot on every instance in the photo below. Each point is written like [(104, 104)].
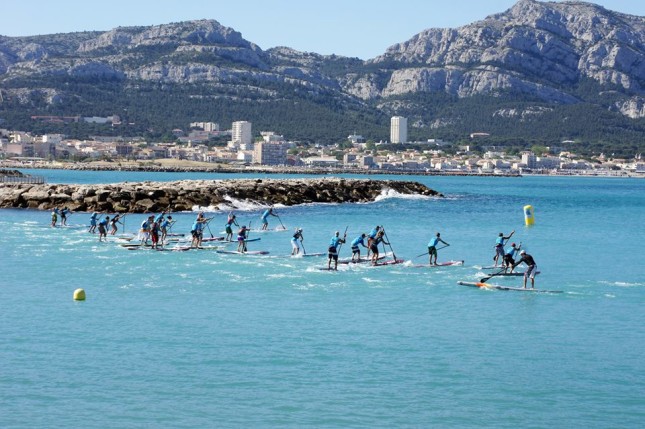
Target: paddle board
[(509, 275), (248, 240), (250, 252), (303, 255), (499, 287), (362, 261), (440, 264), (394, 262)]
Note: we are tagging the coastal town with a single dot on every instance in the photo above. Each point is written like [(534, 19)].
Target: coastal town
[(205, 146)]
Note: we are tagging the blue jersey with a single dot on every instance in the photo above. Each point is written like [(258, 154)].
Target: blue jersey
[(103, 222), (358, 240), (334, 242), (197, 226), (265, 215), (511, 251), (373, 233), (165, 223), (499, 241), (158, 217), (433, 242)]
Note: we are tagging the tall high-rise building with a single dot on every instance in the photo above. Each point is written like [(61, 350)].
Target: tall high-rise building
[(241, 133), (398, 129)]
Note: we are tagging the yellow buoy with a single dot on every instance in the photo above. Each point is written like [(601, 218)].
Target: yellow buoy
[(529, 216), (79, 295)]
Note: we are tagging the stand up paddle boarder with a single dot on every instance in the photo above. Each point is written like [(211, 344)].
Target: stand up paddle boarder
[(333, 249), (531, 270), (432, 247), (499, 247)]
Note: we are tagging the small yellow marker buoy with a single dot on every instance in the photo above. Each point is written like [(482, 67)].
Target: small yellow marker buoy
[(79, 295), (529, 216)]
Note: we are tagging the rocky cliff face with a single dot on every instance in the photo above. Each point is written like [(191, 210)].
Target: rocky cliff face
[(538, 49), (535, 47)]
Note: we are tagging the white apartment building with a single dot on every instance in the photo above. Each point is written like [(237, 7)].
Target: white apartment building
[(398, 129), (241, 133), (270, 153)]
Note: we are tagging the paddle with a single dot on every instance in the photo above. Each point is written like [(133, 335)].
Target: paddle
[(389, 244), (425, 253), (209, 228), (341, 244), (485, 279), (304, 252), (280, 220)]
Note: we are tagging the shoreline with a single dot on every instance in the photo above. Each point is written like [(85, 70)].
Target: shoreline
[(182, 166)]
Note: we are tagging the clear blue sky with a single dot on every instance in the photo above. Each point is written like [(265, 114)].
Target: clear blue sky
[(355, 28)]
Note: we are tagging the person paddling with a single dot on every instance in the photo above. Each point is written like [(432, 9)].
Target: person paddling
[(165, 225), (356, 250), (297, 236), (54, 217), (332, 253), (371, 237), (113, 222), (63, 216), (93, 220), (499, 247), (229, 226), (241, 239), (265, 218), (374, 246), (509, 257), (531, 270), (103, 224), (432, 247)]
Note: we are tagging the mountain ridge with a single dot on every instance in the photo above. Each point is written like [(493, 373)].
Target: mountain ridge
[(507, 71)]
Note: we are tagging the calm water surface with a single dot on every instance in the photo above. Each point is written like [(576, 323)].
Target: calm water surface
[(200, 339)]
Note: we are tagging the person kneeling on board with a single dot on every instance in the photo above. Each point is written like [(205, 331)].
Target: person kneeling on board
[(531, 270)]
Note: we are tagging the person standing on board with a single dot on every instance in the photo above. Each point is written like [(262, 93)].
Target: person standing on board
[(265, 218), (113, 222), (93, 219), (144, 231), (154, 233), (229, 226), (197, 230), (509, 257), (295, 248), (54, 217), (164, 226), (370, 237), (531, 270), (103, 224), (241, 239), (499, 247), (432, 247), (333, 250), (63, 216), (374, 246), (356, 250)]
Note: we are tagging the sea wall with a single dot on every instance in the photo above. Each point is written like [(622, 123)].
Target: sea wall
[(146, 197)]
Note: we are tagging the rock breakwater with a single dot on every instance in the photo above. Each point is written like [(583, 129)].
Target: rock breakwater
[(147, 197)]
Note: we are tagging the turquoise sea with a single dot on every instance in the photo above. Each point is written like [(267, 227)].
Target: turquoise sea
[(200, 339)]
